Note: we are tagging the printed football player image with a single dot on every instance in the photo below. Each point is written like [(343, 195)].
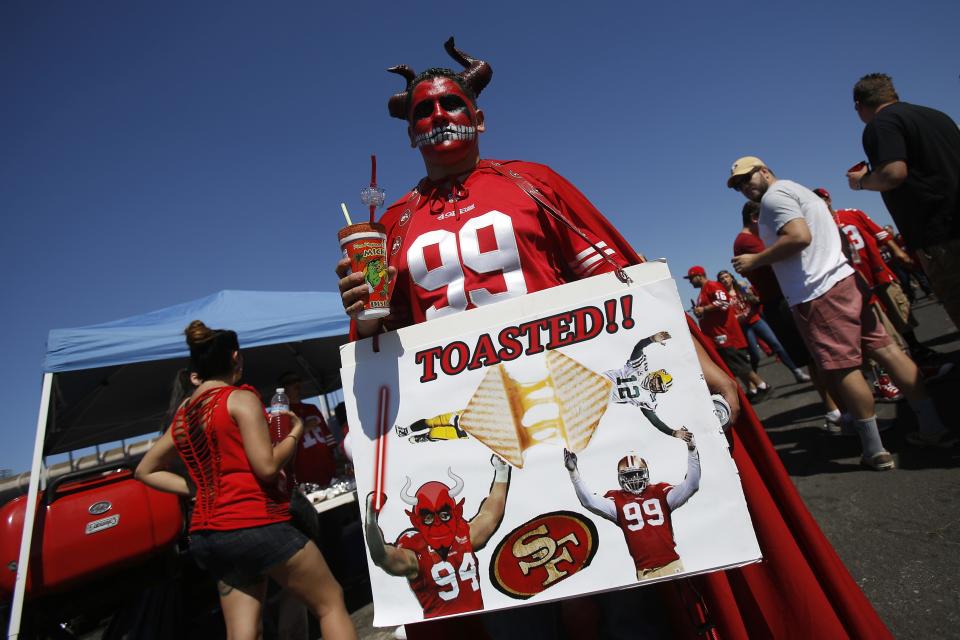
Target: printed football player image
[(443, 426), (642, 510), (634, 384), (437, 555)]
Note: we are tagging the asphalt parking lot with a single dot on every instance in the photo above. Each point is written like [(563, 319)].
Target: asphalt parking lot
[(897, 531)]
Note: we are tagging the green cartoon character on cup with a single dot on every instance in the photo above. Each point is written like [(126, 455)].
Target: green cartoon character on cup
[(375, 274)]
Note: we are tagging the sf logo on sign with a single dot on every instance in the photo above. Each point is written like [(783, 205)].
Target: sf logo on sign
[(537, 549), (542, 552)]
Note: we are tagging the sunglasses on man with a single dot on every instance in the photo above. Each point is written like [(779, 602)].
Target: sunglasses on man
[(744, 179)]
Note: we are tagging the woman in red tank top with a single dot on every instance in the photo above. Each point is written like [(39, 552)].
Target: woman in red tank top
[(240, 529)]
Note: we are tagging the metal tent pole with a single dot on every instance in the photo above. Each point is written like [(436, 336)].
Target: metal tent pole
[(30, 513)]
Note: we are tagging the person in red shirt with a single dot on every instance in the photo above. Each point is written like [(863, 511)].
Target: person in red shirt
[(865, 237), (445, 273), (472, 232), (718, 321), (907, 266), (240, 529), (746, 305), (315, 462)]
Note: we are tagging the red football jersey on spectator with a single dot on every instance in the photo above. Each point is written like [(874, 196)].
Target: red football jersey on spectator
[(746, 313), (494, 243), (763, 279), (864, 234), (646, 524), (444, 584), (314, 462), (722, 326)]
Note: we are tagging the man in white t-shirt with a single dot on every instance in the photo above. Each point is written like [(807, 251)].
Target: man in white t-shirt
[(829, 303)]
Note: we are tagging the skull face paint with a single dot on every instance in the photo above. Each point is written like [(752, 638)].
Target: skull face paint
[(443, 122)]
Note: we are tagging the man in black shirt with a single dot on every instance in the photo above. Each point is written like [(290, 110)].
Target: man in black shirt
[(914, 154)]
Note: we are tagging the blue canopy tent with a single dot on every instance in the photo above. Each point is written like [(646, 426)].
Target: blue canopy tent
[(112, 381)]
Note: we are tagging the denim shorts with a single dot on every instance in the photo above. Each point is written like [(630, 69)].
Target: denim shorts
[(243, 556)]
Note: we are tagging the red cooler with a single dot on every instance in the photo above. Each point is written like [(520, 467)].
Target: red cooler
[(88, 523)]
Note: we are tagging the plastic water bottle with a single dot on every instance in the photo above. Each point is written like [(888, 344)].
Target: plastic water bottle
[(279, 422)]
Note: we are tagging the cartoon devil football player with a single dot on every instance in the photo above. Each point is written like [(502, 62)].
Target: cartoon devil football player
[(437, 556)]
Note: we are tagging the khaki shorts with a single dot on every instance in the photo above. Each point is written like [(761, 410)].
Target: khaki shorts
[(840, 325), (884, 319), (897, 306), (942, 265)]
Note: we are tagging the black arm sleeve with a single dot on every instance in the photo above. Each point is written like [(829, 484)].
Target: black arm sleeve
[(656, 422), (639, 347)]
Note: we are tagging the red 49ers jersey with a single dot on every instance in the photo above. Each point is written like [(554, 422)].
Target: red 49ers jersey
[(746, 313), (646, 525), (722, 326), (495, 242), (314, 461), (444, 586), (864, 234)]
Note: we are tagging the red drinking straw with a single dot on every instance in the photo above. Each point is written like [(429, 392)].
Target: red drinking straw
[(379, 471)]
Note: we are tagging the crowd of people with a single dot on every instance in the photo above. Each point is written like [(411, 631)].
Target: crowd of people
[(735, 313), (845, 300), (820, 295)]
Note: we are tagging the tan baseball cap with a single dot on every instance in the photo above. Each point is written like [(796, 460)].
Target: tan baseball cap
[(742, 167)]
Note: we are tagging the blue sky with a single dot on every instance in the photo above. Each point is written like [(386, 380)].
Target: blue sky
[(153, 153)]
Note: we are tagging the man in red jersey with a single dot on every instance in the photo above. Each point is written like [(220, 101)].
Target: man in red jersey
[(866, 237), (643, 511), (437, 556), (718, 321), (314, 462), (905, 270), (474, 231), (804, 558)]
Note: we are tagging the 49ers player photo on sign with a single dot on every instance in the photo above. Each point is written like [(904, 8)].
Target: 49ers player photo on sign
[(642, 510)]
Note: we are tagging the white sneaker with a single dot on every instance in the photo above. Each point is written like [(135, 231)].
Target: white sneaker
[(881, 461), (832, 427), (400, 633), (801, 376)]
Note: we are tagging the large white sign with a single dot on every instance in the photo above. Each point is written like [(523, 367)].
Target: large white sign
[(543, 447)]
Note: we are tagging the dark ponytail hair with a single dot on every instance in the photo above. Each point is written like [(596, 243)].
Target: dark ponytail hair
[(211, 350)]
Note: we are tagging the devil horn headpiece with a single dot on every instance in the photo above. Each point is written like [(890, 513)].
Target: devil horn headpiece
[(476, 75)]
